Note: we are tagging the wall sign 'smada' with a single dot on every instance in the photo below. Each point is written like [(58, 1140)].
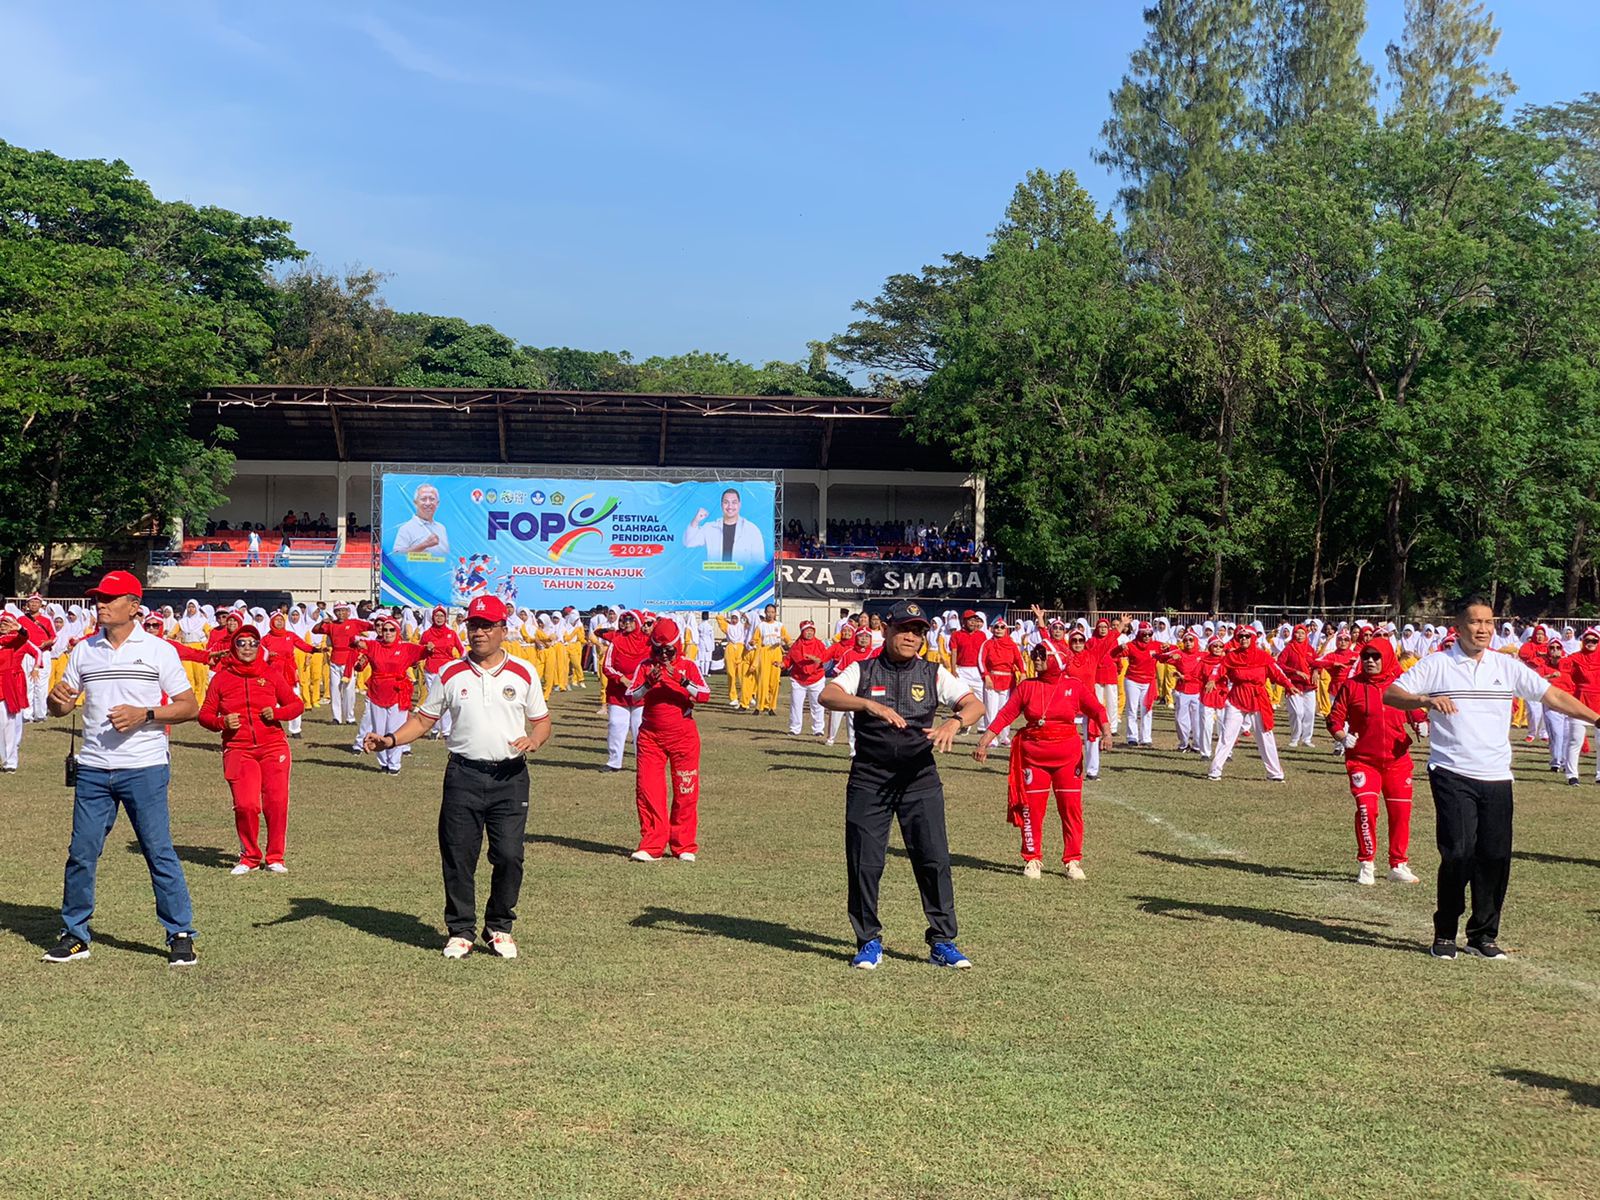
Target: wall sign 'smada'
[(848, 578)]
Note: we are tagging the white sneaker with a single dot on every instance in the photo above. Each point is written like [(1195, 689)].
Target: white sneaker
[(1031, 869), (687, 856), (500, 943), (1402, 874), (643, 856), (277, 868), (243, 869), (1075, 872), (1366, 876), (458, 947)]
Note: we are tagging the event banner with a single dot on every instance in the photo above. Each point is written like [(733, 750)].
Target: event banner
[(863, 578), (543, 544)]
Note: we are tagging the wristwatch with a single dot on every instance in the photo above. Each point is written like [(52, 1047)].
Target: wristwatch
[(150, 716)]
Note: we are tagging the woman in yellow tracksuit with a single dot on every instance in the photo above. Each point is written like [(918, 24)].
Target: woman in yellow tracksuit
[(770, 641), (735, 628), (572, 640)]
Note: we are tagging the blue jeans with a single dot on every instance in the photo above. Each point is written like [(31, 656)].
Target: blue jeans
[(143, 792)]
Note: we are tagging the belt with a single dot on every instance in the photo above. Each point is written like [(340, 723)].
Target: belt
[(493, 766)]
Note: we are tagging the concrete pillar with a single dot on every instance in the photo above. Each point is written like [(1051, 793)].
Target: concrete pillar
[(977, 507), (342, 504), (822, 506)]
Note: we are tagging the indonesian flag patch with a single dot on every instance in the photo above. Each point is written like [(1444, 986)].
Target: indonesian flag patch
[(876, 691)]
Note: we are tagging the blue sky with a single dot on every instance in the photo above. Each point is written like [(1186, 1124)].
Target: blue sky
[(654, 177)]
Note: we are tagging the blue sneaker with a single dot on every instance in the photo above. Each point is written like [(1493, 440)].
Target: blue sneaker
[(945, 954), (869, 956)]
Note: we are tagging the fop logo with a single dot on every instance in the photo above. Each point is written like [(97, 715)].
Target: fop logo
[(560, 530)]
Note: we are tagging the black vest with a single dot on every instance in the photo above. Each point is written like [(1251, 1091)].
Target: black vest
[(911, 688)]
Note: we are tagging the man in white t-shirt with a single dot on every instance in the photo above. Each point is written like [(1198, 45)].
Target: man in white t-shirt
[(422, 534), (1469, 691), (733, 539), (132, 686), (498, 715)]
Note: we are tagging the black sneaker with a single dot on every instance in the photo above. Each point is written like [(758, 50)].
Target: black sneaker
[(1572, 781), (1443, 948), (1486, 949), (68, 949), (180, 951)]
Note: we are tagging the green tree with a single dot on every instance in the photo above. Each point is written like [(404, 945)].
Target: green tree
[(1314, 64), (1440, 67), (336, 329), (448, 352)]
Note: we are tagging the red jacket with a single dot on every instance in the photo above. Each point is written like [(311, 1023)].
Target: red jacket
[(842, 654), (1190, 665), (342, 637), (1381, 736), (965, 646), (1141, 658), (1050, 705), (1001, 660), (1297, 661), (1104, 651), (669, 701), (390, 685), (1583, 668), (801, 669), (235, 688), (280, 648), (1247, 670), (187, 653), (442, 645), (624, 653), (14, 654)]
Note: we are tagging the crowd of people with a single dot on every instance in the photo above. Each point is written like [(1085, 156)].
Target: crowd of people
[(895, 541), (1057, 695)]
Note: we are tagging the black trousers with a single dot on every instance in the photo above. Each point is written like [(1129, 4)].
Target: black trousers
[(1474, 831), (479, 797), (871, 801)]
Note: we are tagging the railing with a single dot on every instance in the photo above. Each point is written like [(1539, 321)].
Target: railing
[(224, 552)]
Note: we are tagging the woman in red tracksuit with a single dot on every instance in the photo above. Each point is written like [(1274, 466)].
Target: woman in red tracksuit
[(389, 687), (1084, 665), (443, 645), (1047, 755), (1246, 668), (668, 754), (1189, 661), (627, 647), (1139, 682), (1108, 671), (280, 644), (16, 652), (1001, 664), (1377, 757), (247, 702), (1297, 659)]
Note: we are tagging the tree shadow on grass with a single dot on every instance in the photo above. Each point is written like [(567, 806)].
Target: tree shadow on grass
[(198, 856), (41, 925), (582, 845), (1249, 868), (1586, 1094), (1554, 859), (756, 932), (402, 928), (1339, 932)]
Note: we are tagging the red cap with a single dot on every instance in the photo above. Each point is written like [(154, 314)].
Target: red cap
[(665, 632), (805, 625), (118, 583), (245, 631), (487, 608), (386, 619), (1146, 627), (968, 615)]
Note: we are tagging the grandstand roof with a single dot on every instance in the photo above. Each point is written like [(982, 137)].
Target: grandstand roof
[(361, 424)]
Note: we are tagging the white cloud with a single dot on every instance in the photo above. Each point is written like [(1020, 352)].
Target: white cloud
[(405, 53)]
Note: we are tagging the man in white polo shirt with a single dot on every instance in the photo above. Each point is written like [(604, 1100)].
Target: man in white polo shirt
[(132, 685), (498, 715), (1469, 694)]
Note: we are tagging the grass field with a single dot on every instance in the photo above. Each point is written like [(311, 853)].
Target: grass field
[(1218, 1011)]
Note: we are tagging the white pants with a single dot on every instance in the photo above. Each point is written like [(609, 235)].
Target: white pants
[(993, 702), (1557, 727), (385, 719), (1302, 717), (1138, 715), (365, 726), (441, 727), (1576, 731), (1535, 717), (1091, 748), (1188, 715), (834, 721), (973, 677), (622, 723), (10, 737), (1106, 693), (801, 695), (294, 725), (1234, 721), (39, 690), (702, 659), (342, 690)]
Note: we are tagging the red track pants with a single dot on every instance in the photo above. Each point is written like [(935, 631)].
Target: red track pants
[(1392, 780), (260, 783), (1057, 765), (668, 760)]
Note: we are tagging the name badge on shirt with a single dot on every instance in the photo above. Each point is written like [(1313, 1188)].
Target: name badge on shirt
[(877, 691)]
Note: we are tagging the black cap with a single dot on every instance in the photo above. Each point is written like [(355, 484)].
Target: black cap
[(907, 612)]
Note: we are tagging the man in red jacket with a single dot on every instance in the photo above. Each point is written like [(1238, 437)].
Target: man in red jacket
[(1000, 661), (807, 661), (443, 645), (668, 757), (248, 702), (1297, 659), (627, 647), (1377, 758), (1246, 668), (342, 633), (1583, 668), (1138, 685)]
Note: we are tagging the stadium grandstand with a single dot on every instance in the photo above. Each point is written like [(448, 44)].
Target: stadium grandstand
[(303, 481)]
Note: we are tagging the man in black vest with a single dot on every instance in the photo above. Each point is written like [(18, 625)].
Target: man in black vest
[(894, 698)]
